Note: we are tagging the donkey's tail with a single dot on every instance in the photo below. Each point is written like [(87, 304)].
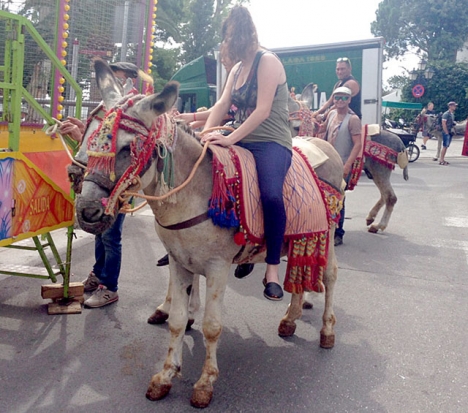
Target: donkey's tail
[(405, 173)]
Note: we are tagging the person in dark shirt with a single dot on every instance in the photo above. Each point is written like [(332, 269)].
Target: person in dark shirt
[(428, 116), (345, 78), (448, 122)]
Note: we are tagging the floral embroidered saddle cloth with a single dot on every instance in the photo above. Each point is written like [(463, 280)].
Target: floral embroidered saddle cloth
[(236, 202)]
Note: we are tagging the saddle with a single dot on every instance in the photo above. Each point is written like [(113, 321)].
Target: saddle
[(310, 206)]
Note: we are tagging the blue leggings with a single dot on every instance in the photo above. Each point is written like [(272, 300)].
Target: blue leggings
[(272, 161)]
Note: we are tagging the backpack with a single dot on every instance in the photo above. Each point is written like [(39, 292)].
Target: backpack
[(419, 121)]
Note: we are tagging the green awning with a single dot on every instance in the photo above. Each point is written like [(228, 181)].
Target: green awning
[(401, 105), (200, 71)]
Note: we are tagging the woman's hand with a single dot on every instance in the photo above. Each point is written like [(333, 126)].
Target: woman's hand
[(185, 117), (217, 138)]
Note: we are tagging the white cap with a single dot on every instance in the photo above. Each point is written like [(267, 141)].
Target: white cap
[(343, 89)]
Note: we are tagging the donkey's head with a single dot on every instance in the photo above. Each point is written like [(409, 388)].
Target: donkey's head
[(119, 148)]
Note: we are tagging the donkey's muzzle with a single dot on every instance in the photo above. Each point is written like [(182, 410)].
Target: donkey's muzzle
[(91, 216)]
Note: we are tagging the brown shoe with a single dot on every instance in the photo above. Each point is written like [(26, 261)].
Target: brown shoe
[(91, 283)]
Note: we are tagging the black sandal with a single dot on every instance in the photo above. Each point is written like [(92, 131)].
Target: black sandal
[(243, 270), (163, 261), (272, 291)]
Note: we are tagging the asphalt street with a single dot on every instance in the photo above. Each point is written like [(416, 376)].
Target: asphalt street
[(400, 302)]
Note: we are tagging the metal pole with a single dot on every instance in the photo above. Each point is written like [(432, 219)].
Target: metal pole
[(74, 73), (123, 52)]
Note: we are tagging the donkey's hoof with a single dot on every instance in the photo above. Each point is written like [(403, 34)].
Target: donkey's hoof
[(158, 317), (157, 391), (369, 221), (189, 325), (286, 329), (306, 305), (327, 341), (201, 398), (373, 229)]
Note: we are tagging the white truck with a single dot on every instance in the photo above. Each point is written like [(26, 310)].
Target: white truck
[(316, 64)]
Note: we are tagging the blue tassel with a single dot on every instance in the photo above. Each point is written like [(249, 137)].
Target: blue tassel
[(222, 211)]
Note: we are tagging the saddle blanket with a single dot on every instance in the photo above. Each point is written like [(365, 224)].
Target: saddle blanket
[(308, 215), (381, 153), (304, 202)]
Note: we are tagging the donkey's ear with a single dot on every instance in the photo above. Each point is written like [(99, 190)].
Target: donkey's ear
[(111, 90), (307, 95), (164, 101), (152, 106)]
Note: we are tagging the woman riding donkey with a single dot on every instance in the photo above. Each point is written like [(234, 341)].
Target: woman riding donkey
[(257, 87)]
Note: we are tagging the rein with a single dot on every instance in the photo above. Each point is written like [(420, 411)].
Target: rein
[(53, 130), (189, 178), (174, 190), (192, 221)]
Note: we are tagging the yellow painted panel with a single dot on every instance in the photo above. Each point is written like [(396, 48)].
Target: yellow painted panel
[(30, 203), (32, 139)]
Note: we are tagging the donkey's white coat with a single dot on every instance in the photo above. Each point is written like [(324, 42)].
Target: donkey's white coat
[(202, 249)]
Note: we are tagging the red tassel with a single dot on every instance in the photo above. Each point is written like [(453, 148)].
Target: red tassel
[(322, 261), (239, 238)]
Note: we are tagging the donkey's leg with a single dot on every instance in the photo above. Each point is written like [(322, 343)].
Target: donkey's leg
[(287, 325), (161, 313), (307, 301), (194, 303), (180, 285), (382, 181), (216, 279), (327, 333), (374, 211)]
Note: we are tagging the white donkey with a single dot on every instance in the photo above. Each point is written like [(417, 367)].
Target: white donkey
[(195, 245), (374, 168)]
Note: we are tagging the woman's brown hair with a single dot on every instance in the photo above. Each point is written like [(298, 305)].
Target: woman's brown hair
[(239, 34)]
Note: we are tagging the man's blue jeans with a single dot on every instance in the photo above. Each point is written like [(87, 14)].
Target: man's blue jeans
[(446, 139), (339, 231), (108, 254)]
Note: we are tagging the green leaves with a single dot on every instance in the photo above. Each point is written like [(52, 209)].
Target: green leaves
[(435, 28), (448, 83)]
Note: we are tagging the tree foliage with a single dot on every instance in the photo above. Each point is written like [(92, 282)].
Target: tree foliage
[(169, 16), (201, 31), (397, 82), (449, 83), (437, 29), (190, 28)]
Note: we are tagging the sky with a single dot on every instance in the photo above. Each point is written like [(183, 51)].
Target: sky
[(309, 22)]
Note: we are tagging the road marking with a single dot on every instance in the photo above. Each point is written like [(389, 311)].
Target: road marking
[(459, 222), (452, 244)]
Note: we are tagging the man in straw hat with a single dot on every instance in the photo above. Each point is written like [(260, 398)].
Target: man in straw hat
[(102, 282)]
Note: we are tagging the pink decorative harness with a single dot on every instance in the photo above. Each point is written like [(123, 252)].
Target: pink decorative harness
[(308, 125), (102, 146)]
